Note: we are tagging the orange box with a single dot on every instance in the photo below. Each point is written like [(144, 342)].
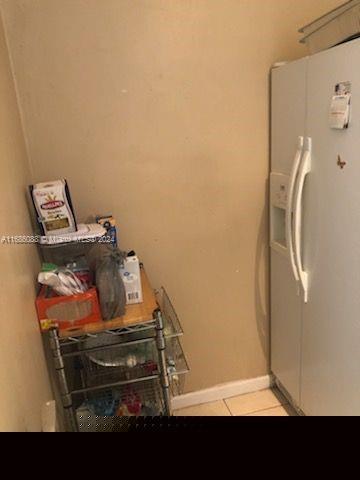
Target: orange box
[(67, 312)]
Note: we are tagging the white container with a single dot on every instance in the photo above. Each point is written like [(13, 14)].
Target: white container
[(130, 273), (336, 27)]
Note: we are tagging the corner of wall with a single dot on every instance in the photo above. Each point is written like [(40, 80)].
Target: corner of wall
[(19, 106)]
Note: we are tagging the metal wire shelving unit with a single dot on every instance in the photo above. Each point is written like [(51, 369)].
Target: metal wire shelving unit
[(131, 370)]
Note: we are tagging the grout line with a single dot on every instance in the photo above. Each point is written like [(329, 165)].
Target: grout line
[(226, 405), (267, 409)]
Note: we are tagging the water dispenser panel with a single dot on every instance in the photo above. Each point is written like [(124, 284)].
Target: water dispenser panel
[(279, 186)]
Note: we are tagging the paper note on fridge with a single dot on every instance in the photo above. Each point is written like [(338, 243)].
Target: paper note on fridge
[(340, 111)]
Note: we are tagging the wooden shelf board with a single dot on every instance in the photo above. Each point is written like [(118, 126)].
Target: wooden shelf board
[(135, 314)]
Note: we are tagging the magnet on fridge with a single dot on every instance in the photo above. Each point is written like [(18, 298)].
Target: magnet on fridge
[(340, 107)]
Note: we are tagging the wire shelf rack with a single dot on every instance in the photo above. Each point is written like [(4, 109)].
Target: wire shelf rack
[(145, 329), (105, 377), (99, 411), (134, 333), (175, 358), (123, 364), (177, 385), (172, 326), (135, 361)]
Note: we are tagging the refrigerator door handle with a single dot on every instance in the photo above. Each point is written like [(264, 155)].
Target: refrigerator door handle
[(305, 169), (289, 207)]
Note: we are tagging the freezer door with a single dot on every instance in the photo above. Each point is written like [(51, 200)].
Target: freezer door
[(288, 112), (288, 124), (331, 242)]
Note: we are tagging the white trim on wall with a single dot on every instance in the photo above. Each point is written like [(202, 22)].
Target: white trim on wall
[(226, 390)]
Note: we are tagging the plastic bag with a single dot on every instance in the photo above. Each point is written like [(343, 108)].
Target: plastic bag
[(105, 260), (62, 281)]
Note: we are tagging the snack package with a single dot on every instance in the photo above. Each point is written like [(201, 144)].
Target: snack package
[(108, 222)]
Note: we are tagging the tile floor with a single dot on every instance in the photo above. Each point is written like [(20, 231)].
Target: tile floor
[(266, 403)]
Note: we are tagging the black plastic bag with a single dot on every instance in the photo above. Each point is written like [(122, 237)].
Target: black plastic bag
[(105, 261)]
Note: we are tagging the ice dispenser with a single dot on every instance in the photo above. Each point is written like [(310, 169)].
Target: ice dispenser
[(279, 185)]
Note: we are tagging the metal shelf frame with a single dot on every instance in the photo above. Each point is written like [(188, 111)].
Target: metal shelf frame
[(67, 392), (143, 327)]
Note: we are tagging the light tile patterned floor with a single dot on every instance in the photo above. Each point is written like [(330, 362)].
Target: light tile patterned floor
[(213, 409), (266, 403)]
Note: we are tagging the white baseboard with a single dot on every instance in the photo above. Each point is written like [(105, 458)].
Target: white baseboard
[(226, 390)]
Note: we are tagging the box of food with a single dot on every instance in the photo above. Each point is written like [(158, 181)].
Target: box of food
[(67, 312), (53, 207)]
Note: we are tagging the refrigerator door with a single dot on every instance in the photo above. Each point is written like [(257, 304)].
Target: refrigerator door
[(288, 128), (331, 241)]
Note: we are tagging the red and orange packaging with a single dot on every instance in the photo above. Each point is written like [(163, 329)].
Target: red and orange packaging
[(67, 312)]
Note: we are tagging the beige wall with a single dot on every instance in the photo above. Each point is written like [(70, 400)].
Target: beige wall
[(23, 376), (157, 111)]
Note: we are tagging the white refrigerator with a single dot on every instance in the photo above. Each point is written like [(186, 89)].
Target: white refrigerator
[(315, 231)]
